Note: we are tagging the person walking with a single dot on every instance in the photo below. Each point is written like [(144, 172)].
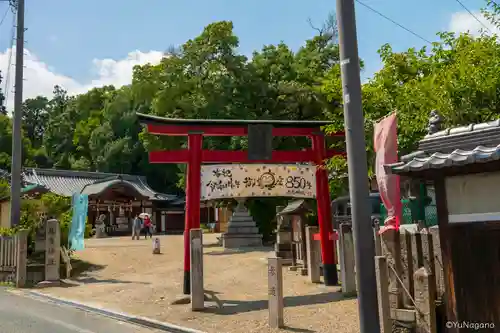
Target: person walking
[(136, 227), (147, 227)]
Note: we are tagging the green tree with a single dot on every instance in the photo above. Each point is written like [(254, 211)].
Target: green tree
[(458, 77), (58, 134), (34, 117)]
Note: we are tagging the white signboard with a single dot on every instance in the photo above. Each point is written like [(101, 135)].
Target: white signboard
[(257, 180)]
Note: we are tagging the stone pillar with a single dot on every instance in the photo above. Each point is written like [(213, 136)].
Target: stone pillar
[(156, 246), (242, 230), (164, 222), (313, 255), (347, 263), (111, 216), (197, 290), (22, 260), (275, 284), (52, 251), (384, 307), (425, 296)]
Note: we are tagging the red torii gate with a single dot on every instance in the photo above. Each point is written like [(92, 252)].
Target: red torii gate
[(195, 155)]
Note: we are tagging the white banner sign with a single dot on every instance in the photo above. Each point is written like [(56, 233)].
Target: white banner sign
[(257, 180)]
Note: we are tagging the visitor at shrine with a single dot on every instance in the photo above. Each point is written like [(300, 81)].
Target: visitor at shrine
[(147, 227), (136, 227)]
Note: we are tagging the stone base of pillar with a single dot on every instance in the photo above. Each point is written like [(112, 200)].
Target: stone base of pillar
[(231, 241)]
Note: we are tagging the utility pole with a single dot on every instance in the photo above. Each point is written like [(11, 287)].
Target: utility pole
[(15, 181), (357, 168)]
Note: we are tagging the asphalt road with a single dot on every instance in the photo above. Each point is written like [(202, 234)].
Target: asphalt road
[(21, 314)]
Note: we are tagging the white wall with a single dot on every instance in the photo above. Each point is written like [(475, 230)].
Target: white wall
[(474, 197)]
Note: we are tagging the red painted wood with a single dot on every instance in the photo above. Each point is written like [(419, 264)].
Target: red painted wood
[(334, 236), (183, 130), (241, 156), (193, 193), (323, 201)]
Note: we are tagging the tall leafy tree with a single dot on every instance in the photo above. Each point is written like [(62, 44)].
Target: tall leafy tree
[(34, 119)]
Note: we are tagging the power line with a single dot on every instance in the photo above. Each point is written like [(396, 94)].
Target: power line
[(472, 14), (394, 22), (5, 15)]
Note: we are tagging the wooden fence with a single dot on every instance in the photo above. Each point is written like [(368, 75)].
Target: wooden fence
[(410, 277), (13, 252), (410, 280), (8, 253)]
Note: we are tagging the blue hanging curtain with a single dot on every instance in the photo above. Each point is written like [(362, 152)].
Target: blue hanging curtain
[(77, 232)]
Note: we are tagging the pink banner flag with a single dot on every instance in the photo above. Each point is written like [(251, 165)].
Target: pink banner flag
[(385, 143)]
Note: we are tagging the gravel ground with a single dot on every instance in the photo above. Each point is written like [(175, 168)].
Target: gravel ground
[(129, 278)]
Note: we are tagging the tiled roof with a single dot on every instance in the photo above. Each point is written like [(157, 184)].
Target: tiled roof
[(438, 160), (463, 137), (293, 207), (68, 182)]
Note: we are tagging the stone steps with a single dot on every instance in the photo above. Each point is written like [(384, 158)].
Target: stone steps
[(242, 231), (241, 240), (241, 224), (232, 229)]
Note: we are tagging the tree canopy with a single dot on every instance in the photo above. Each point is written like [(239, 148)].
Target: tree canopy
[(208, 78)]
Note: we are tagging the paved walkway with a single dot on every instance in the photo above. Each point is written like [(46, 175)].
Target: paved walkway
[(20, 314)]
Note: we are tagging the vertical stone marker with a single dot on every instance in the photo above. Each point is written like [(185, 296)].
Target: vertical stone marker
[(384, 306), (22, 252), (197, 291), (275, 292), (347, 268), (425, 296), (52, 251), (156, 246), (313, 255)]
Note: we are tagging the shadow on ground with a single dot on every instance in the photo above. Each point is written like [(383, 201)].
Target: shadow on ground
[(79, 275), (80, 267), (92, 280), (298, 330), (211, 245), (229, 307), (225, 252)]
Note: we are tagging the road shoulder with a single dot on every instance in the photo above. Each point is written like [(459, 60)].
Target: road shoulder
[(142, 321)]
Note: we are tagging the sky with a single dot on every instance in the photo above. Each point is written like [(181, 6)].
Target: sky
[(84, 44)]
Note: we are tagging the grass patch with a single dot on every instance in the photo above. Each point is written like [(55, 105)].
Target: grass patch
[(7, 284)]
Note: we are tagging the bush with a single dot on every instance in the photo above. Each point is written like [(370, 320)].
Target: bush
[(7, 231), (263, 210)]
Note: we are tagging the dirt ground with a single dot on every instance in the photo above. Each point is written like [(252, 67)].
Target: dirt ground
[(127, 277)]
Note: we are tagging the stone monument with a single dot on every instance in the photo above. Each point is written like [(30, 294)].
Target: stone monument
[(52, 254), (241, 230), (100, 227)]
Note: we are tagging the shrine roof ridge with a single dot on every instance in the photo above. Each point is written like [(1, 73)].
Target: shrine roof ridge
[(462, 137), (423, 161), (68, 182), (152, 119)]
